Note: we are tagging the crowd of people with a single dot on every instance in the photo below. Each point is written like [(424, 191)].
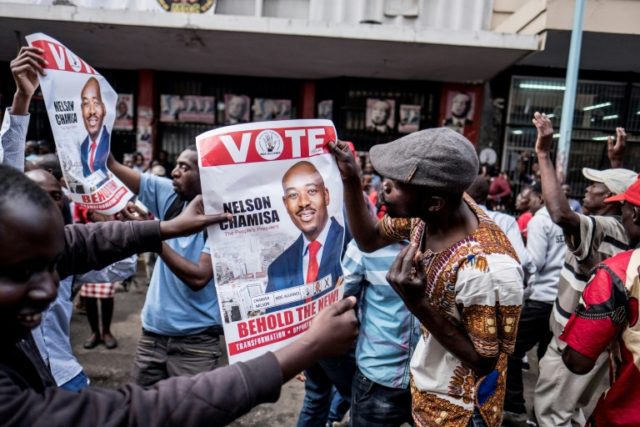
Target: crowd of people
[(444, 297)]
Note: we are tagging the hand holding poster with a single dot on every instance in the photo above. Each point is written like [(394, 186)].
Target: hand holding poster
[(81, 108), (277, 262)]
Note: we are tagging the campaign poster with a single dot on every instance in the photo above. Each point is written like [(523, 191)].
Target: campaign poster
[(277, 262), (380, 116), (325, 109), (409, 118), (236, 109), (197, 109), (461, 109), (124, 112), (170, 108), (265, 109), (81, 106)]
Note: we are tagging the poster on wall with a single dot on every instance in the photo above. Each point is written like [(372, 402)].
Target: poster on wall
[(170, 108), (124, 112), (236, 109), (197, 109), (380, 115), (265, 109), (276, 263), (409, 118), (144, 135), (325, 109), (460, 109), (81, 106)]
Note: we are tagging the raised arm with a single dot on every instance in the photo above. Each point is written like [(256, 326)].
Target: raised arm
[(554, 198), (25, 69), (128, 176), (195, 276), (363, 227)]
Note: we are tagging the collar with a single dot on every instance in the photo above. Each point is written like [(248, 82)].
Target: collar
[(322, 237)]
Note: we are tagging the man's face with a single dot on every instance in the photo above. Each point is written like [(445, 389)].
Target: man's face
[(306, 200), (535, 201), (522, 201), (594, 196), (236, 108), (460, 105), (49, 185), (29, 250), (401, 200), (92, 108), (380, 113), (186, 175)]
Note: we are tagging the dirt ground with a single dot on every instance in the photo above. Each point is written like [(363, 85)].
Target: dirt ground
[(112, 368)]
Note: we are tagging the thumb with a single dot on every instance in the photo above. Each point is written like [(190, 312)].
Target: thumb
[(216, 218), (345, 305)]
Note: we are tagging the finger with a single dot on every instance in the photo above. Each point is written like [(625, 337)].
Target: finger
[(36, 56), (407, 260), (216, 218), (610, 142), (396, 265), (336, 149), (345, 305), (28, 65)]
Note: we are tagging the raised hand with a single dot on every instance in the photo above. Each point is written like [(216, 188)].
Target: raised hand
[(25, 69), (346, 161), (615, 151), (543, 125), (407, 277)]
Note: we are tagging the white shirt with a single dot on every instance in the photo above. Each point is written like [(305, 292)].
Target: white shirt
[(322, 237)]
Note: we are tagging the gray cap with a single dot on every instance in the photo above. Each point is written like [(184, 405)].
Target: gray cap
[(438, 158), (616, 180)]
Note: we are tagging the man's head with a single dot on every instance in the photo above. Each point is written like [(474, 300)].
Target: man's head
[(430, 170), (50, 163), (306, 198), (186, 175), (93, 110), (380, 112), (49, 184), (630, 200), (605, 183), (536, 201), (479, 190), (32, 232), (30, 148), (460, 105), (522, 200), (236, 107), (45, 147)]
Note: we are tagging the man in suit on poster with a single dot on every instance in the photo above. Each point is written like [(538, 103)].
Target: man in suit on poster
[(317, 252), (94, 150)]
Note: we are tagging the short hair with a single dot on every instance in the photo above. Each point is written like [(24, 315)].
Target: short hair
[(191, 147), (49, 162), (14, 185), (479, 190), (537, 188)]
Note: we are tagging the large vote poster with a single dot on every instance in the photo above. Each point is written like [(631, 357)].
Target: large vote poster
[(81, 106), (276, 263)]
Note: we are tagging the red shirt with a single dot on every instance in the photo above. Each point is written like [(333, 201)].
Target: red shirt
[(607, 319), (523, 221)]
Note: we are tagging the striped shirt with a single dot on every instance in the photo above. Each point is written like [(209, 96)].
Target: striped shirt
[(388, 331), (601, 237)]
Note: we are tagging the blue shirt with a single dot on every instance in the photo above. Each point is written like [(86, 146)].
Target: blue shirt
[(388, 331), (171, 307)]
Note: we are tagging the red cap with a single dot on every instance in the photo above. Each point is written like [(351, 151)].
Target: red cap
[(631, 195)]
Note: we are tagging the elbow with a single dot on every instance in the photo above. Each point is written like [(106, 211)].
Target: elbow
[(577, 363), (484, 366), (561, 216), (198, 284)]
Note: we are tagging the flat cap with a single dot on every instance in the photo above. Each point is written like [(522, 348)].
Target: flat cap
[(438, 158)]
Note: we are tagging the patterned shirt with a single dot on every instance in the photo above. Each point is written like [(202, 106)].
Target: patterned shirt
[(607, 317), (601, 237), (477, 285)]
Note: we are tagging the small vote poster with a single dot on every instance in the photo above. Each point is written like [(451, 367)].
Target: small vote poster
[(81, 106), (276, 263)]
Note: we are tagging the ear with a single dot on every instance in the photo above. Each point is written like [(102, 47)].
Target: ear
[(435, 204), (636, 215), (327, 199)]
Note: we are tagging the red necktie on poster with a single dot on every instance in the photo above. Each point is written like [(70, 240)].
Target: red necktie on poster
[(312, 269), (92, 155)]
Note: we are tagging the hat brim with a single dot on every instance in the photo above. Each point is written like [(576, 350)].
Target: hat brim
[(617, 198)]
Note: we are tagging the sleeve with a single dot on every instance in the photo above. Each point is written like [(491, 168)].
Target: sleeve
[(395, 228), (353, 270), (117, 271), (212, 398), (156, 193), (593, 230), (537, 239), (490, 304), (13, 136), (95, 246), (206, 249), (591, 327)]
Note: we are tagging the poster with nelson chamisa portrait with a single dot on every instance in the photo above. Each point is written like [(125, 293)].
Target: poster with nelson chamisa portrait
[(277, 262), (81, 106)]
